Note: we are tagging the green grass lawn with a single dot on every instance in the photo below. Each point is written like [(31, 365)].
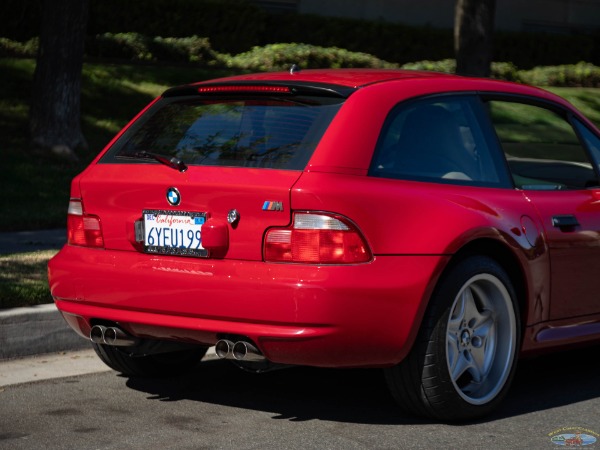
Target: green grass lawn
[(24, 279), (586, 100)]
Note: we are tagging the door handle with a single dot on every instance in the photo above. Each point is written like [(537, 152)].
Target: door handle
[(565, 221)]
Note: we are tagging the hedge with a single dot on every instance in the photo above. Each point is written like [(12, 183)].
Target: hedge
[(500, 70), (573, 75), (282, 56), (137, 47), (10, 48), (582, 74), (237, 26), (198, 51)]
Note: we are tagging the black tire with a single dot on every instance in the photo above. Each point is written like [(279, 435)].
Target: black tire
[(156, 365), (464, 359)]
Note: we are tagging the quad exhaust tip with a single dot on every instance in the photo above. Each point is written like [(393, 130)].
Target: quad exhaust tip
[(239, 351), (224, 348), (113, 336)]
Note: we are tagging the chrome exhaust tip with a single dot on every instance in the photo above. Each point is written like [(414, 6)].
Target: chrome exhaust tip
[(224, 348), (245, 351), (118, 338), (97, 334), (240, 351)]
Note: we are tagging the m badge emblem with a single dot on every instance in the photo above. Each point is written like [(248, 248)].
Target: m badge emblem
[(272, 206)]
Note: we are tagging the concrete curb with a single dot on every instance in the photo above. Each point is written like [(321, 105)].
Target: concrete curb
[(36, 330)]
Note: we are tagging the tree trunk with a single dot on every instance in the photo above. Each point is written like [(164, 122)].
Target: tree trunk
[(473, 30), (54, 118)]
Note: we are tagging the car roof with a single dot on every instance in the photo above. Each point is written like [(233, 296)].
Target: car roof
[(351, 78), (343, 82)]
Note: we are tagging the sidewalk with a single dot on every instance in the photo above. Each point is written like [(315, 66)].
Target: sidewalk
[(39, 329)]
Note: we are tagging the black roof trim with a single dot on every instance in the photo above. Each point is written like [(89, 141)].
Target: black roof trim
[(296, 88)]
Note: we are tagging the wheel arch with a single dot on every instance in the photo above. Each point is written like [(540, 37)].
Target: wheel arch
[(508, 260), (495, 249), (417, 383)]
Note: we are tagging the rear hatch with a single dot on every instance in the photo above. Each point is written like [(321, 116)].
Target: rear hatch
[(207, 169)]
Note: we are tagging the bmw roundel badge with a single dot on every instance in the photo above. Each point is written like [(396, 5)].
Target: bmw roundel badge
[(173, 196)]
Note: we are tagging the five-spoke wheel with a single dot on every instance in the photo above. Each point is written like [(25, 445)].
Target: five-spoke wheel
[(465, 356)]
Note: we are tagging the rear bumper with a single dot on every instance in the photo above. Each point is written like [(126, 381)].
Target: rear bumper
[(329, 316)]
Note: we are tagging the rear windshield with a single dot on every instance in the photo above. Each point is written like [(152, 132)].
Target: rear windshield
[(253, 132)]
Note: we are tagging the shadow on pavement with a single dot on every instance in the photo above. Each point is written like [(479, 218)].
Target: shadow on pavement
[(294, 394), (361, 396), (554, 380)]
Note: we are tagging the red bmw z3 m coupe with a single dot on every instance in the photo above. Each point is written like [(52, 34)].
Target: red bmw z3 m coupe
[(436, 226)]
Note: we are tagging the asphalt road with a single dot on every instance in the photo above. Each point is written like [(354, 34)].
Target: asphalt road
[(219, 406)]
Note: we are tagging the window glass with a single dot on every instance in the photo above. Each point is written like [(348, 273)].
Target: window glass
[(272, 133), (436, 139), (591, 140), (542, 149)]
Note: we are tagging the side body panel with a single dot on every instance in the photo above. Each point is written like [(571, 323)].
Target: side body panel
[(574, 250), (403, 218)]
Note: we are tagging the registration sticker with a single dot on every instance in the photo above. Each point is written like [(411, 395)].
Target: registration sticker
[(174, 232)]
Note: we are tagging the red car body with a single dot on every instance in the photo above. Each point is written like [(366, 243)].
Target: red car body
[(357, 314)]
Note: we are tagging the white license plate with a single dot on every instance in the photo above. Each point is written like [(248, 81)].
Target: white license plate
[(174, 232)]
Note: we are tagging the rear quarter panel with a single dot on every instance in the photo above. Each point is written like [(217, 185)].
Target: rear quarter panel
[(416, 218), (403, 218)]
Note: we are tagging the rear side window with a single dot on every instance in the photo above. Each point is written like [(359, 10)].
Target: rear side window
[(440, 140), (592, 141), (254, 132), (542, 148)]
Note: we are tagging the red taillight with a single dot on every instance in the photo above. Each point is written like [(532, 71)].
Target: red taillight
[(244, 88), (317, 238), (83, 229)]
